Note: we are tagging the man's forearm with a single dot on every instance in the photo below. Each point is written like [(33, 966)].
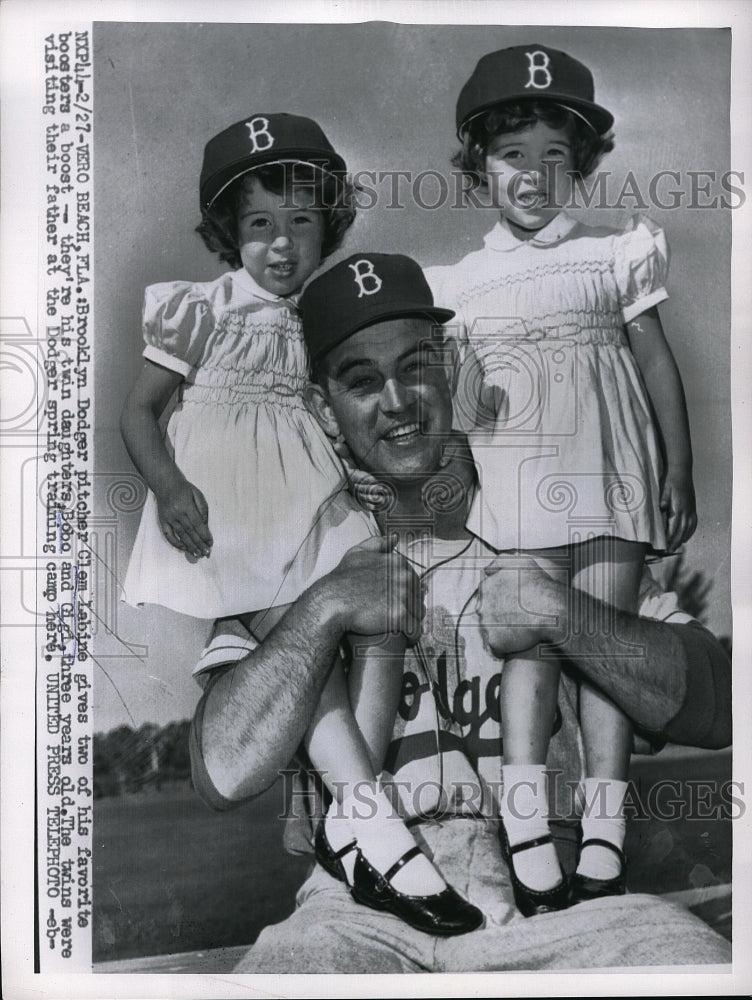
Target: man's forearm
[(637, 663), (256, 712), (673, 681), (254, 715)]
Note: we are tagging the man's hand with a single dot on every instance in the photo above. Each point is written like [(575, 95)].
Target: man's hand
[(184, 518), (519, 605), (375, 591)]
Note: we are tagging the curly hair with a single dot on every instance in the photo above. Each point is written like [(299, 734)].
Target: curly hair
[(333, 194), (588, 148)]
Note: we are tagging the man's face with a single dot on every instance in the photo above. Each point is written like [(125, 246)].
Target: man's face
[(386, 390)]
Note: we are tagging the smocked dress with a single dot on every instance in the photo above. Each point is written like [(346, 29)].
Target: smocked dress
[(242, 434), (555, 408)]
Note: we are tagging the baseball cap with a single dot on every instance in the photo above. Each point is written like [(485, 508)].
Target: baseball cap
[(260, 139), (531, 72), (364, 289)]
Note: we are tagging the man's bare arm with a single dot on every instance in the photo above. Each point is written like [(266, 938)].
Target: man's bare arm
[(673, 681), (254, 714)]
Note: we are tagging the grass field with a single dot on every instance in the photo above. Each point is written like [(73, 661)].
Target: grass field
[(172, 876)]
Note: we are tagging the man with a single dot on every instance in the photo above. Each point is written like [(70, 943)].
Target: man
[(383, 385)]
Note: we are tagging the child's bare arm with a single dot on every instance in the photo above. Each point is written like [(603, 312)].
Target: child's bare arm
[(664, 385), (183, 511)]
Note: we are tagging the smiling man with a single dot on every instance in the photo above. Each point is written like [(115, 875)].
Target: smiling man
[(383, 386), (379, 377)]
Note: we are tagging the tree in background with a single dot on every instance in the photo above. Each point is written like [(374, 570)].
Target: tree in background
[(133, 760)]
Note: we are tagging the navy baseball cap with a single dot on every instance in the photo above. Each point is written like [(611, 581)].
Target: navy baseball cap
[(260, 139), (364, 289), (531, 72)]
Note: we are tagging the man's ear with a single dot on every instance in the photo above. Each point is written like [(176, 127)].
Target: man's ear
[(317, 402)]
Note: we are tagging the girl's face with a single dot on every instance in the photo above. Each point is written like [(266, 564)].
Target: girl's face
[(280, 237), (526, 172)]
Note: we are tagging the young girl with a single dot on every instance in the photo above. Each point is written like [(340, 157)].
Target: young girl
[(576, 417), (239, 514)]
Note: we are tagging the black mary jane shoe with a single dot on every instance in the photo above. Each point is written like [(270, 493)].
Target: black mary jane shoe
[(583, 887), (329, 859), (445, 913), (531, 902)]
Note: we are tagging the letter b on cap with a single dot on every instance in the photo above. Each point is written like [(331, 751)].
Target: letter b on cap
[(260, 136), (366, 279), (537, 65)]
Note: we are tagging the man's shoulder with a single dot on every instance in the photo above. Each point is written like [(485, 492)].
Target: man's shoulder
[(341, 523)]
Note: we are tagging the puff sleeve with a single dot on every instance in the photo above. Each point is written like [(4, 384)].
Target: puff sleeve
[(177, 322), (641, 258)]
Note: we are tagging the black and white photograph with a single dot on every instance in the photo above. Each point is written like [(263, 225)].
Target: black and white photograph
[(375, 521)]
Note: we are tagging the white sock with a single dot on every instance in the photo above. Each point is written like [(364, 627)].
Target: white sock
[(339, 834), (524, 809), (383, 838), (603, 819)]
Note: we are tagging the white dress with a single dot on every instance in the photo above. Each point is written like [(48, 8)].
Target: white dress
[(243, 435), (549, 393)]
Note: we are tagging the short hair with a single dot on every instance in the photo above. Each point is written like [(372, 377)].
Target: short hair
[(588, 147), (334, 196)]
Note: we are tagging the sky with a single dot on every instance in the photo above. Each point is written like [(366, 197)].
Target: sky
[(385, 95)]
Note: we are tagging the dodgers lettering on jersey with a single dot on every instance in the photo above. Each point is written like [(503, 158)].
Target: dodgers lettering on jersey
[(447, 749)]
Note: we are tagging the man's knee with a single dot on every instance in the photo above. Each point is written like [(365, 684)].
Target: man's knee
[(292, 946), (329, 933)]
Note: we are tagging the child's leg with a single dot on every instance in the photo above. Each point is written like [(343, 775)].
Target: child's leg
[(347, 742), (334, 743), (374, 682), (528, 703), (610, 570), (529, 691)]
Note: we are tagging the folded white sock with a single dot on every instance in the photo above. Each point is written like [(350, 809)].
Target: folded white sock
[(383, 838), (524, 810), (603, 819)]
